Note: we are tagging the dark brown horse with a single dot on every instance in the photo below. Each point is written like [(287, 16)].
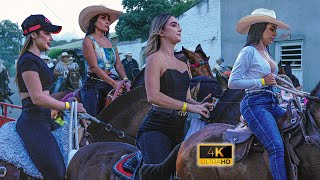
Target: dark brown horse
[(253, 166)]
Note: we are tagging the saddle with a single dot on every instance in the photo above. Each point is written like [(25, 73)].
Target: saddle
[(128, 165), (241, 135)]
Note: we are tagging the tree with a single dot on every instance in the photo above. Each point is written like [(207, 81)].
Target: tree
[(135, 23), (54, 53), (10, 42), (10, 39)]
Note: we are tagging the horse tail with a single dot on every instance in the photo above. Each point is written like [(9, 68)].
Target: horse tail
[(164, 170)]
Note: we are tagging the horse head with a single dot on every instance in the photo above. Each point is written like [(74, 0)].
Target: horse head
[(199, 62), (74, 79)]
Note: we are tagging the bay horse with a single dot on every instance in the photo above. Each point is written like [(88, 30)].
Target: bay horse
[(254, 166)]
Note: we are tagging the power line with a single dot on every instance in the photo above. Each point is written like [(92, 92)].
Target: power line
[(52, 11), (74, 30)]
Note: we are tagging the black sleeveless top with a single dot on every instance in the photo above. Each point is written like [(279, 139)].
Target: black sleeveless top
[(31, 62), (175, 84)]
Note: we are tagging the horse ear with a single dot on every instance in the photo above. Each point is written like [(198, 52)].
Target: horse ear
[(195, 90), (199, 48), (186, 52)]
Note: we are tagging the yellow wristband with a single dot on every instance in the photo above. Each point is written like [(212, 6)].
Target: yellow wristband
[(68, 105), (262, 81), (184, 107)]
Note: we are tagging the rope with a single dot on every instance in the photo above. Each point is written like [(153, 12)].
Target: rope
[(76, 138), (70, 127)]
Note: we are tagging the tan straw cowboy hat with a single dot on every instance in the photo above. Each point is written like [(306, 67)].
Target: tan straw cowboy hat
[(258, 16), (91, 11)]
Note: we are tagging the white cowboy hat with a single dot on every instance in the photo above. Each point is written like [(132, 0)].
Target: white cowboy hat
[(91, 11), (257, 16), (64, 54)]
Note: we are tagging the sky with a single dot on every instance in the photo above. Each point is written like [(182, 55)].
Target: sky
[(60, 12)]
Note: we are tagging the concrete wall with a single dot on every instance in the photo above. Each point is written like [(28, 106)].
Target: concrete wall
[(135, 47), (201, 25)]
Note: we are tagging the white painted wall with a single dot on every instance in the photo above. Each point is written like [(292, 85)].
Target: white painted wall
[(201, 25)]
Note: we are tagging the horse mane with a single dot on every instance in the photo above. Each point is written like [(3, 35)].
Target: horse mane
[(138, 80), (227, 109)]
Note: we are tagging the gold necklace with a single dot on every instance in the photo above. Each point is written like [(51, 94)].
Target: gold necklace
[(263, 53)]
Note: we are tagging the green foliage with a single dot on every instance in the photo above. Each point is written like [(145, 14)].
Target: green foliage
[(54, 53), (135, 23), (10, 43), (179, 8), (58, 43)]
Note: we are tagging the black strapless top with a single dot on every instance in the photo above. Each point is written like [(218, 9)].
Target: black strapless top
[(175, 84)]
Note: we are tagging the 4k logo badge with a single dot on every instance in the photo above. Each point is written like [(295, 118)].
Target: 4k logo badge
[(212, 154)]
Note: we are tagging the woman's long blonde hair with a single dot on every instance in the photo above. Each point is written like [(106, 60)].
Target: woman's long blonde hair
[(157, 25), (27, 43)]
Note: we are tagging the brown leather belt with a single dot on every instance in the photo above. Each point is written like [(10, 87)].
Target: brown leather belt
[(169, 111)]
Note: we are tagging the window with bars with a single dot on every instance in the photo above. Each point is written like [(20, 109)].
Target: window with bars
[(291, 53)]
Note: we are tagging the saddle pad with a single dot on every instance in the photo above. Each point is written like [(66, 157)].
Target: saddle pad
[(119, 170), (133, 162), (12, 149)]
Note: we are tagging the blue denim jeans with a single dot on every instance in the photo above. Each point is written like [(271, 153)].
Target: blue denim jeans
[(93, 96), (154, 146), (260, 109), (158, 134), (59, 83)]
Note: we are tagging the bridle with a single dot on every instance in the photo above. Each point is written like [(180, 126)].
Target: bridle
[(201, 63)]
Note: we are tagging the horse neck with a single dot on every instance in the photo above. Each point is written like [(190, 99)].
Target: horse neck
[(227, 109)]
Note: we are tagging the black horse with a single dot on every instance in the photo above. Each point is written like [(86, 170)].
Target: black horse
[(5, 91)]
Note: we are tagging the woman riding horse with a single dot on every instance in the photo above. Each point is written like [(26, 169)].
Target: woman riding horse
[(167, 87), (102, 57), (34, 79), (255, 70)]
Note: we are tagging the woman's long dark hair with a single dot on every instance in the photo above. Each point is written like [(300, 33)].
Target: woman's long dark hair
[(255, 33), (92, 27)]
